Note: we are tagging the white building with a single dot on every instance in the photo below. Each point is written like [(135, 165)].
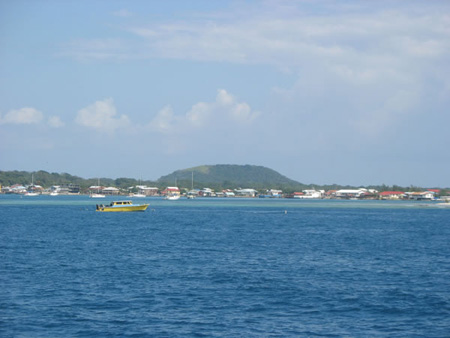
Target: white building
[(351, 193), (110, 191), (245, 192), (275, 192), (228, 193), (309, 194), (207, 192), (426, 195)]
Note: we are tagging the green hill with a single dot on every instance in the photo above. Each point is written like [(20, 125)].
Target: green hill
[(223, 176), (47, 179)]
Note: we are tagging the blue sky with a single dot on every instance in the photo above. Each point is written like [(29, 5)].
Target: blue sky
[(347, 92)]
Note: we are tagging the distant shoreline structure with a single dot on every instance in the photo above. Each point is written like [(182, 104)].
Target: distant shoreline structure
[(210, 181), (143, 192)]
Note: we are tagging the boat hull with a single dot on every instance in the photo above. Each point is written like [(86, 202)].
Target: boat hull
[(127, 208), (173, 198), (137, 196)]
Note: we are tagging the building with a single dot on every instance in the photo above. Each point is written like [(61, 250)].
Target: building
[(228, 193), (310, 194), (419, 196), (207, 192), (171, 191), (148, 191), (14, 189), (69, 189), (95, 189), (246, 192), (351, 193), (274, 193), (391, 195), (111, 191)]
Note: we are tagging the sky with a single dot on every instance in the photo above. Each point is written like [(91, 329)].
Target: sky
[(324, 91)]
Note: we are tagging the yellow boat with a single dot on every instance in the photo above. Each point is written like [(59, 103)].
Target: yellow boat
[(118, 206)]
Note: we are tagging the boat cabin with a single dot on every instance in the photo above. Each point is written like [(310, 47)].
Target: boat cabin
[(121, 203)]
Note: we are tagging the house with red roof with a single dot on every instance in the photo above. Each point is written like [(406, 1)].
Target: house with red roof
[(171, 191), (391, 195)]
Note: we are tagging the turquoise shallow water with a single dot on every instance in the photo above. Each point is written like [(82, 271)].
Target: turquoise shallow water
[(218, 267)]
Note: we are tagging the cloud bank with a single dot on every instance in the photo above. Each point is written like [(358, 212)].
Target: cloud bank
[(29, 116), (25, 115), (225, 112), (101, 116), (365, 35), (374, 63)]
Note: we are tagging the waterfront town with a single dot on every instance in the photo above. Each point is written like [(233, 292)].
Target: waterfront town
[(144, 191)]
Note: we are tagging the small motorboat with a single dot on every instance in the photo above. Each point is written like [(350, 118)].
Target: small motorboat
[(138, 195), (97, 196), (172, 197), (31, 193), (121, 206)]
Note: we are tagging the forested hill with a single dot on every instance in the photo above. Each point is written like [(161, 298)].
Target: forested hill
[(230, 176), (213, 176), (46, 179)]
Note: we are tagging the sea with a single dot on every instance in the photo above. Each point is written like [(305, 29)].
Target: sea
[(224, 267)]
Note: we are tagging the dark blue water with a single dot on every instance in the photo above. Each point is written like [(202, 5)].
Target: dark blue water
[(225, 268)]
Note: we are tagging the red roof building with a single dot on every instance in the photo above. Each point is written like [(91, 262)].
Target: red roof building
[(391, 194)]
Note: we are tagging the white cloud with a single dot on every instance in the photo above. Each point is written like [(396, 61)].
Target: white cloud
[(101, 116), (271, 33), (242, 113), (239, 112), (25, 115), (55, 122), (224, 98), (225, 111), (164, 120), (211, 121), (199, 114)]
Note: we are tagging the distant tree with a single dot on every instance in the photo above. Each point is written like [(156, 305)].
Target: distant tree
[(125, 183)]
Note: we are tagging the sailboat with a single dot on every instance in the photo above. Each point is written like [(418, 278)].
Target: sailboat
[(191, 194), (172, 193), (32, 192), (97, 195), (138, 195)]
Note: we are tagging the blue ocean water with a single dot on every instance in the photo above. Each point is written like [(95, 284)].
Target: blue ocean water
[(225, 268)]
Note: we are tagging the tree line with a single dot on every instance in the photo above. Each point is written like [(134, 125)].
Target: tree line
[(218, 183)]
